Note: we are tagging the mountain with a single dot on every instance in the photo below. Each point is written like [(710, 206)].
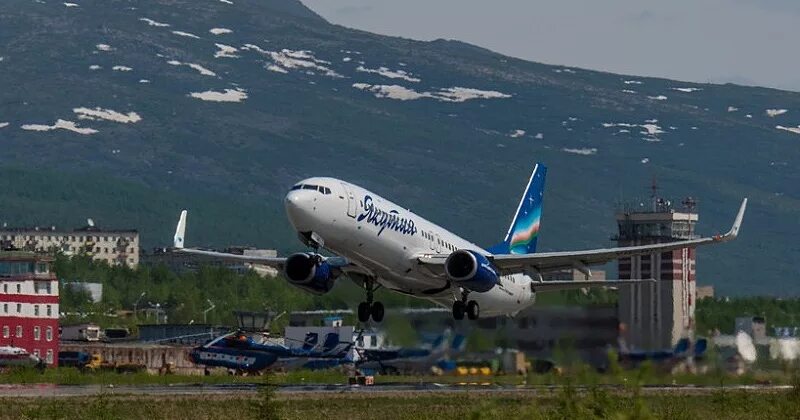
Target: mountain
[(129, 110)]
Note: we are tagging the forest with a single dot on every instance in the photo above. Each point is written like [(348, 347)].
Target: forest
[(185, 296)]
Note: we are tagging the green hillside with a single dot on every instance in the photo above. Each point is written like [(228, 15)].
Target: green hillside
[(432, 125)]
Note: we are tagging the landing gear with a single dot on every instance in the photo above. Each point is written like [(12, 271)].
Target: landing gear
[(473, 310), (458, 310), (465, 306), (370, 308)]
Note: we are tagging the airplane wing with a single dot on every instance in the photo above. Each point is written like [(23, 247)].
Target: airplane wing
[(553, 261), (178, 243), (557, 285), (338, 263)]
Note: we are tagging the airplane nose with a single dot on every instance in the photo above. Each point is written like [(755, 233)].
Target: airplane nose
[(298, 207)]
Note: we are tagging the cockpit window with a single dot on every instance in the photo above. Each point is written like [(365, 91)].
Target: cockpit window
[(323, 190)]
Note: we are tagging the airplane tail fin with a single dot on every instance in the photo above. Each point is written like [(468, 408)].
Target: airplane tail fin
[(524, 230)]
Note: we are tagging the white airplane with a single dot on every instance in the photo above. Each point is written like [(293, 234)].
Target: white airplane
[(381, 244)]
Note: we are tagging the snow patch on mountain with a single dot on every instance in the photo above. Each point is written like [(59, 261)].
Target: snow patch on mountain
[(453, 94), (186, 34), (732, 109), (795, 130), (152, 22), (775, 112), (658, 98), (632, 82), (645, 160), (104, 47), (391, 74), (202, 70), (517, 133), (585, 151), (220, 31), (60, 125), (94, 67), (299, 60), (106, 114), (461, 94), (628, 91), (121, 68), (650, 129), (71, 4), (392, 91), (226, 1), (4, 124), (225, 51), (228, 95), (686, 89)]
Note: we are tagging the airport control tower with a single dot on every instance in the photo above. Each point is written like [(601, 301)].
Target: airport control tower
[(656, 315)]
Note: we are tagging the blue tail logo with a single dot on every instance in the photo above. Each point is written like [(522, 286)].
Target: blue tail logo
[(524, 230)]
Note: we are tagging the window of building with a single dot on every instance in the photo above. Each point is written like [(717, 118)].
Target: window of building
[(48, 334), (105, 250), (5, 308), (49, 358), (19, 331), (35, 310), (49, 310), (36, 352), (5, 288), (19, 308), (97, 250), (6, 331), (19, 288), (37, 333)]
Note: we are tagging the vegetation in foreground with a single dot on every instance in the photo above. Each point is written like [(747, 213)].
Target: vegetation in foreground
[(646, 375), (567, 403)]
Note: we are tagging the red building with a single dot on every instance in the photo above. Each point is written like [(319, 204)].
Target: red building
[(29, 304)]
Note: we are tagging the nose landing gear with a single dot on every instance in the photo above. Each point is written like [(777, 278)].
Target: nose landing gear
[(370, 308)]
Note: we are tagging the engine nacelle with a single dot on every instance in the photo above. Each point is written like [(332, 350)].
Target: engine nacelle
[(471, 270), (309, 272)]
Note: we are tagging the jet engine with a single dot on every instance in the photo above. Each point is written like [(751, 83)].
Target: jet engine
[(471, 270), (310, 272)]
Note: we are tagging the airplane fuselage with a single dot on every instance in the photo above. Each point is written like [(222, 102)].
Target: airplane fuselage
[(387, 239)]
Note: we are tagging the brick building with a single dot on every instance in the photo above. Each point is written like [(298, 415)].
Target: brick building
[(29, 304)]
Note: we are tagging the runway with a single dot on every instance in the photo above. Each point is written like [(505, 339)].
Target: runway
[(311, 391)]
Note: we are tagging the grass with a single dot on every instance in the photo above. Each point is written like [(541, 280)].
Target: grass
[(581, 374), (564, 404), (590, 401)]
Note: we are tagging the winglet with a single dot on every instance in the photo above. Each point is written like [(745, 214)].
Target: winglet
[(180, 231), (734, 232)]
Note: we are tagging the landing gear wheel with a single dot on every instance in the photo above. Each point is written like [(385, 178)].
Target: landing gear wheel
[(363, 311), (458, 310), (377, 312), (473, 310)]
